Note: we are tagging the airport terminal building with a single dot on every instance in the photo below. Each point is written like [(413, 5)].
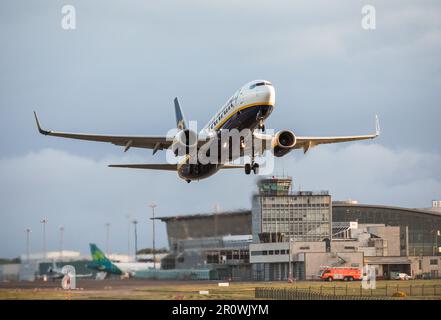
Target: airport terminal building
[(297, 232), (420, 229)]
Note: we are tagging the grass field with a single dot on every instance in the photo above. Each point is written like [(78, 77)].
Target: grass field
[(135, 289)]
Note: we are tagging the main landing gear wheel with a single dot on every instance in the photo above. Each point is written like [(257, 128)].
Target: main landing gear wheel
[(254, 167), (247, 168)]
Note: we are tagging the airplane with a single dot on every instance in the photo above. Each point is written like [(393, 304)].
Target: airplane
[(103, 264), (55, 272), (248, 108)]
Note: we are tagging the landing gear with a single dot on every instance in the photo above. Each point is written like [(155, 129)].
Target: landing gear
[(260, 118), (254, 167), (261, 125)]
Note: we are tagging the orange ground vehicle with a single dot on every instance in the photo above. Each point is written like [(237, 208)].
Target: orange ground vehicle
[(340, 273)]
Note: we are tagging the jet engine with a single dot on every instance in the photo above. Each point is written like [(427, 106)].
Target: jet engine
[(283, 142)]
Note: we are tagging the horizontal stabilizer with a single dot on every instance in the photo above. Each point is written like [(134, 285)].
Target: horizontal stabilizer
[(152, 166), (233, 166), (166, 166)]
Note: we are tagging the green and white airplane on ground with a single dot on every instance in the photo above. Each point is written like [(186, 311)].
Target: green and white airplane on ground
[(104, 265)]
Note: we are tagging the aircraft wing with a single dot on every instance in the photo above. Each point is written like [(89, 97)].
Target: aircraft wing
[(153, 166), (306, 143), (150, 142)]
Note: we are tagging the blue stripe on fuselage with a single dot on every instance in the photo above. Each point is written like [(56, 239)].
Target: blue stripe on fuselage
[(247, 118)]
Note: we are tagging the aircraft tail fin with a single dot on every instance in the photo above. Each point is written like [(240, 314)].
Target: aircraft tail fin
[(97, 254), (180, 119)]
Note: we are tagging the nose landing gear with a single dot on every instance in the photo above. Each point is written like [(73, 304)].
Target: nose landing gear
[(261, 125), (260, 118)]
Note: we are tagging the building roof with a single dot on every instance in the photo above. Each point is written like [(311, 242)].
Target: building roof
[(334, 204), (412, 210), (52, 255), (205, 215)]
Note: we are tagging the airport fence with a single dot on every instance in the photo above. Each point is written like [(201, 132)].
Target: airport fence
[(348, 292)]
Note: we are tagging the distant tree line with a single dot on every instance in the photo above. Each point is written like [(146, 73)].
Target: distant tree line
[(8, 261)]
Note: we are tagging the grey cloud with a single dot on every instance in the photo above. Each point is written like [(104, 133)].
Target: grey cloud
[(83, 194), (371, 173), (120, 70)]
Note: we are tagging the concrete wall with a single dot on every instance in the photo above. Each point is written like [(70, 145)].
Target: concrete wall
[(9, 271), (434, 270), (368, 251), (297, 248), (308, 247), (344, 246), (391, 235)]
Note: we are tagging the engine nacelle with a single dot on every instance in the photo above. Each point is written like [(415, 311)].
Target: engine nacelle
[(184, 141), (283, 142)]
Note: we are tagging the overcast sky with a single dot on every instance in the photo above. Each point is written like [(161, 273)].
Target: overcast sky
[(119, 71)]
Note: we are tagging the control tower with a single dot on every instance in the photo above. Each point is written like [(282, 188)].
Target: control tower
[(278, 213)]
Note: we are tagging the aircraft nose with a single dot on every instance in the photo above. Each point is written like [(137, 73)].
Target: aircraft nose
[(268, 95)]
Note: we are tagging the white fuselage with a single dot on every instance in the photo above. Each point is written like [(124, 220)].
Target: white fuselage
[(247, 96), (130, 267), (250, 104)]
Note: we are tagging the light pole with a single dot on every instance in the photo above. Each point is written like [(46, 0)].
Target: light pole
[(135, 222), (289, 261), (216, 211), (28, 236), (153, 206), (107, 238), (128, 236), (43, 222), (61, 241)]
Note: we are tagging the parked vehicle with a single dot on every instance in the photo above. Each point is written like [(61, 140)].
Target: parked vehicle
[(340, 273), (401, 276)]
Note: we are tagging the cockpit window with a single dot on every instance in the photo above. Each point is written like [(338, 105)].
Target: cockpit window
[(260, 84)]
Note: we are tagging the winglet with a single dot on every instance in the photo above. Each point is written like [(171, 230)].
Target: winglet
[(45, 132), (377, 126)]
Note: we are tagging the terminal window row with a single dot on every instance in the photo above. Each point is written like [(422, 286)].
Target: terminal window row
[(295, 219), (269, 252), (278, 205), (294, 211)]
